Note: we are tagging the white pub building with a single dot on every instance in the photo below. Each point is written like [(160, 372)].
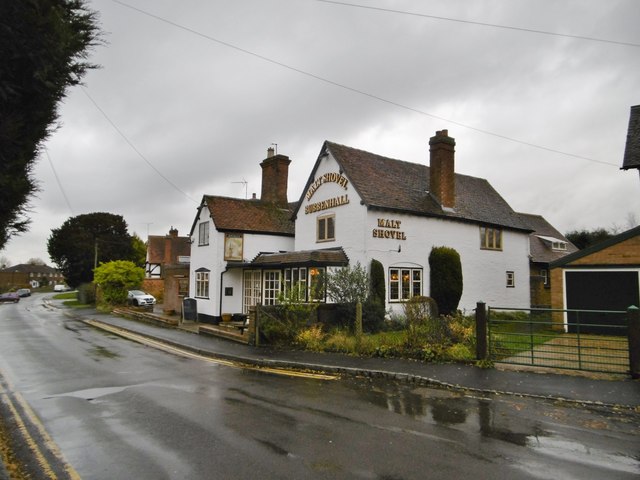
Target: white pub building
[(358, 206)]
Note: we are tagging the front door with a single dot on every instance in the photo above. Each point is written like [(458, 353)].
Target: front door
[(252, 289)]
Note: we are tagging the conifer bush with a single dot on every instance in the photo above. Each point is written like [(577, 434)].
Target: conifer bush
[(445, 278)]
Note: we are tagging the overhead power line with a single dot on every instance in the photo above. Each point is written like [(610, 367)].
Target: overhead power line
[(55, 174), (134, 147), (355, 90), (483, 24)]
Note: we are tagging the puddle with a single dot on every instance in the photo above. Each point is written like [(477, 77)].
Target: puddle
[(504, 420), (102, 352), (91, 393), (562, 448)]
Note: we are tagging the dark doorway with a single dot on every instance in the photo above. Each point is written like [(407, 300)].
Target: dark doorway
[(600, 290)]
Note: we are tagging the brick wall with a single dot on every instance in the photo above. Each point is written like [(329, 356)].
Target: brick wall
[(623, 253)]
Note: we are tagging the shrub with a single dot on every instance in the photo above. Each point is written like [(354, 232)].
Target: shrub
[(280, 324), (116, 278), (87, 293), (348, 285), (423, 324), (445, 278), (378, 290), (311, 338), (344, 315)]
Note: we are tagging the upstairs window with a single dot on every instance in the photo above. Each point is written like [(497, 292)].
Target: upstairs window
[(558, 245), (490, 238), (326, 230), (203, 233)]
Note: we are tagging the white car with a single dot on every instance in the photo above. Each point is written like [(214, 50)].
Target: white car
[(138, 298), (60, 288)]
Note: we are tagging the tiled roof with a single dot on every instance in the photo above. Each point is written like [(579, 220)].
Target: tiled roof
[(29, 268), (181, 246), (609, 242), (540, 250), (327, 256), (632, 148), (252, 216), (391, 184)]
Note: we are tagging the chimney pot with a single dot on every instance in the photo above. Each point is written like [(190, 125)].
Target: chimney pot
[(275, 178), (270, 152), (442, 169)]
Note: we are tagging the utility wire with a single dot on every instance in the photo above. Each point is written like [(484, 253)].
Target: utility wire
[(134, 147), (493, 25), (355, 90), (55, 174)]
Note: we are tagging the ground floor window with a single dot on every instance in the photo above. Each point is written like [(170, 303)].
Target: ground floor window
[(317, 280), (252, 289), (271, 287), (404, 283), (295, 283), (202, 283)]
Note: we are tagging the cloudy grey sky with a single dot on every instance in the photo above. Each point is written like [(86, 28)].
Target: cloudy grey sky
[(192, 93)]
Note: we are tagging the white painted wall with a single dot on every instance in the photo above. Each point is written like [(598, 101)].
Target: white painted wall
[(211, 257), (484, 271)]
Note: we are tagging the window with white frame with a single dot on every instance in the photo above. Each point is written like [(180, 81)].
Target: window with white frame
[(202, 283), (295, 283), (558, 245), (404, 283), (271, 288), (203, 233), (511, 279), (490, 238), (326, 228)]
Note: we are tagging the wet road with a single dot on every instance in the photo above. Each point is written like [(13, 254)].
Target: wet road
[(115, 409)]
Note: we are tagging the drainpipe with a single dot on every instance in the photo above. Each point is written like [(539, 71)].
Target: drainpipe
[(226, 269)]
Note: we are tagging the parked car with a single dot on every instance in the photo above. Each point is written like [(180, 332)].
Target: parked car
[(24, 292), (10, 297), (60, 288), (138, 298)]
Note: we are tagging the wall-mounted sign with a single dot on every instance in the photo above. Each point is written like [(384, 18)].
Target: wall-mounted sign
[(389, 228), (327, 178), (233, 247), (326, 204)]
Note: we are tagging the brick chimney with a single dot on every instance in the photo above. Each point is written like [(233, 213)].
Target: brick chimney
[(442, 169), (275, 178)]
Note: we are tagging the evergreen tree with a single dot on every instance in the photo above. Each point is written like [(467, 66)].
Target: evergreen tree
[(43, 45)]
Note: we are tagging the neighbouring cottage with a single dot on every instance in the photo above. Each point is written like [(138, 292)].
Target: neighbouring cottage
[(29, 275), (357, 206), (546, 244), (167, 269)]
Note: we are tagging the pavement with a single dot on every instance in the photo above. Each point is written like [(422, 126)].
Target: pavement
[(611, 391)]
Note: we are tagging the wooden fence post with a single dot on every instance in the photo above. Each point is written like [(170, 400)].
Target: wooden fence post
[(633, 333), (481, 331)]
